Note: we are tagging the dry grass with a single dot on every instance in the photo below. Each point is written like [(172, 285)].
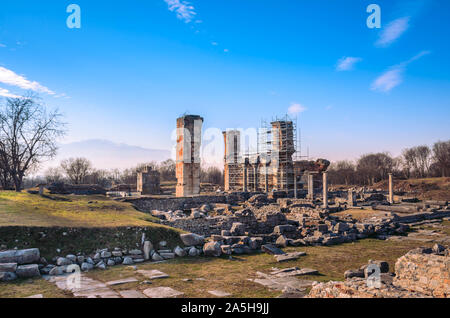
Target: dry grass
[(24, 209), (232, 275), (360, 214)]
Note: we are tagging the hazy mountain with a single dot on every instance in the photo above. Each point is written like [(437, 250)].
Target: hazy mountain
[(105, 154)]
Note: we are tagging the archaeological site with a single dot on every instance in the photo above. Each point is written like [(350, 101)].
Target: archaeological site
[(220, 157), (272, 208)]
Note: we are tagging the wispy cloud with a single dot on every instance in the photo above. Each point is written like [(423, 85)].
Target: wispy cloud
[(5, 93), (388, 80), (10, 78), (184, 10), (394, 76), (393, 31), (2, 45), (347, 63), (296, 108)]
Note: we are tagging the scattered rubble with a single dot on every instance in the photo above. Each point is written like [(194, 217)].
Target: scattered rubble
[(421, 273)]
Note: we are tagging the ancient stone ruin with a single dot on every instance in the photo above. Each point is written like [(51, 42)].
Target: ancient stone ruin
[(421, 273), (189, 129), (272, 168), (148, 181)]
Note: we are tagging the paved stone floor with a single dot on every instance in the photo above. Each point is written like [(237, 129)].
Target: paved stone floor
[(85, 287)]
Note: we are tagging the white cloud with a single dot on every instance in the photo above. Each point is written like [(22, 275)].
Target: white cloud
[(226, 50), (184, 10), (214, 43), (394, 76), (2, 45), (5, 93), (296, 108), (388, 80), (393, 31), (347, 63), (10, 78)]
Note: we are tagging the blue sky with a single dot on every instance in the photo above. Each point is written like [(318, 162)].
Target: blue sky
[(135, 66)]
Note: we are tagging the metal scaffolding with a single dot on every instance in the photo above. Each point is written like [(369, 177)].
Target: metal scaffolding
[(277, 142), (268, 166)]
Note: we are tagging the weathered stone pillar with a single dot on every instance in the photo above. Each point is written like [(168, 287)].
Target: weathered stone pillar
[(391, 190), (325, 190), (245, 180), (295, 185), (266, 179), (311, 186), (255, 178), (351, 198), (189, 137)]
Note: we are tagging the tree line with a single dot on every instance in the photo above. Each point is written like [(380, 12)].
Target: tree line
[(29, 133), (81, 171), (416, 162)]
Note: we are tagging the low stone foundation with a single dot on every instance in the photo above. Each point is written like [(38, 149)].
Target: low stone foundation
[(420, 273), (173, 204), (214, 225), (425, 273)]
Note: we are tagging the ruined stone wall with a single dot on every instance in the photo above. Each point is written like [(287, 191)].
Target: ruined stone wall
[(173, 204), (232, 160), (189, 130), (208, 226), (426, 273), (212, 225), (148, 181), (420, 273), (357, 288)]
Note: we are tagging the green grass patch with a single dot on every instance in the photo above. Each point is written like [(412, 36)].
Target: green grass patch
[(24, 209), (76, 224), (232, 275)]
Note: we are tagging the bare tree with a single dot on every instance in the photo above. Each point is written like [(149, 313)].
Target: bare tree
[(211, 175), (28, 135), (417, 161), (372, 168), (441, 157), (53, 175), (76, 169), (168, 170), (5, 177), (342, 172), (423, 154), (101, 177)]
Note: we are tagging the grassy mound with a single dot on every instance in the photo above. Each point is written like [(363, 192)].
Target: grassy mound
[(426, 188), (75, 224), (82, 239), (24, 209)]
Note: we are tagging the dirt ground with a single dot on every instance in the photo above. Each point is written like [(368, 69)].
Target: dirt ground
[(196, 276)]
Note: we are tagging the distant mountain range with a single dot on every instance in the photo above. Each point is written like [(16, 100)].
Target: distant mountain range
[(105, 154)]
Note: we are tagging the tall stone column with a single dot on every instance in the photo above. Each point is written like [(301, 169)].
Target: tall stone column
[(244, 179), (232, 140), (189, 131), (351, 198), (310, 186), (325, 190), (391, 190), (255, 177), (266, 178), (295, 185)]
